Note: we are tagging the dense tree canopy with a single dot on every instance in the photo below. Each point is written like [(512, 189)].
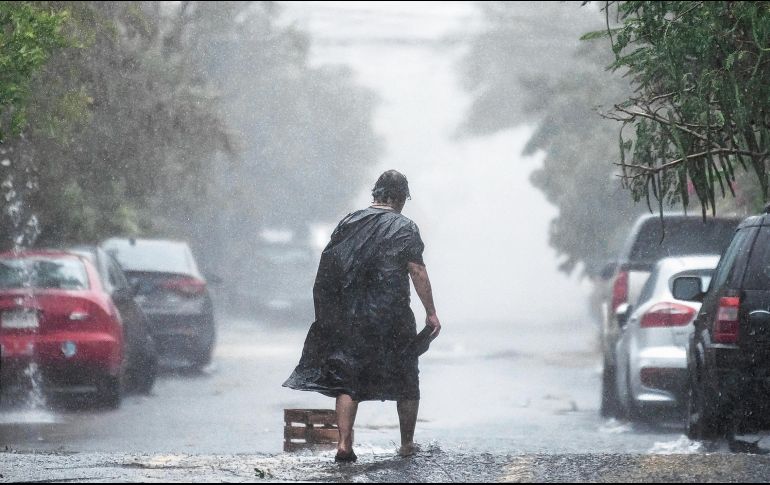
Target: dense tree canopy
[(700, 113), (198, 120), (29, 36)]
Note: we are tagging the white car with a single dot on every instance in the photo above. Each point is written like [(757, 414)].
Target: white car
[(651, 352)]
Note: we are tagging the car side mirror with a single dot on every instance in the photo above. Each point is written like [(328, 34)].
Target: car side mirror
[(688, 288), (608, 270), (622, 313)]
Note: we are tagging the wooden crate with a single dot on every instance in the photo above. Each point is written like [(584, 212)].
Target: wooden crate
[(310, 429)]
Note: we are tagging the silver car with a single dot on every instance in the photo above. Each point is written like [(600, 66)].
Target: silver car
[(652, 349)]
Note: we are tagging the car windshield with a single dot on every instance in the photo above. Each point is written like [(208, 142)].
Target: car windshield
[(43, 273), (682, 237), (155, 256)]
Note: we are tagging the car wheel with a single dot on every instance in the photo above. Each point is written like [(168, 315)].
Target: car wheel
[(610, 407), (702, 423), (637, 411), (143, 377), (203, 353), (109, 393), (631, 409)]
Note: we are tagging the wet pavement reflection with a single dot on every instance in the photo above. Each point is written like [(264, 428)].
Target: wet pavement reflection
[(491, 392)]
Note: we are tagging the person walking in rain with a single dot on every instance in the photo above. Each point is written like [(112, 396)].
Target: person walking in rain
[(363, 345)]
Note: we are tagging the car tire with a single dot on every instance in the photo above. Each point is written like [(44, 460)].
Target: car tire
[(610, 407), (702, 421), (203, 353), (109, 393), (143, 377), (635, 411), (627, 408), (199, 361)]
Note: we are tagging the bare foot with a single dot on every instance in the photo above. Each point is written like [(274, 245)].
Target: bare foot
[(345, 456), (408, 449)]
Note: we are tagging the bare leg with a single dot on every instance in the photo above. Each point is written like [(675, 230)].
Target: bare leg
[(346, 418), (407, 418)]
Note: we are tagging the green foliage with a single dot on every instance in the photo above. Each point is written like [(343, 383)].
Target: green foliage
[(194, 120), (111, 122), (700, 112), (28, 36)]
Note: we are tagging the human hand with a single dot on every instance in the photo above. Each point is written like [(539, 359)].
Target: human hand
[(433, 322)]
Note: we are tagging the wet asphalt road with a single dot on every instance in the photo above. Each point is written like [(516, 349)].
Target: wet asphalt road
[(513, 401)]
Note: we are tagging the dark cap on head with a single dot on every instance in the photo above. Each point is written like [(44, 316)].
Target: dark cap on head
[(391, 185)]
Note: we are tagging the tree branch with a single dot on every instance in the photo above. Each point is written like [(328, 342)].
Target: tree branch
[(717, 151), (656, 118)]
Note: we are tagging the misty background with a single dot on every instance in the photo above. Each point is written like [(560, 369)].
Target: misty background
[(251, 128), (484, 225)]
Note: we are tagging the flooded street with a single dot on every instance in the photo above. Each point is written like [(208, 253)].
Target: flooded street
[(513, 400), (489, 387), (183, 183)]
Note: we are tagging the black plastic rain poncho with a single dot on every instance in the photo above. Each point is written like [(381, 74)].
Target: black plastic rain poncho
[(364, 325)]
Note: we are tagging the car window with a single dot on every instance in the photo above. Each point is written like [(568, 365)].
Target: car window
[(681, 237), (649, 287), (43, 273), (116, 276), (758, 271), (739, 246), (155, 256)]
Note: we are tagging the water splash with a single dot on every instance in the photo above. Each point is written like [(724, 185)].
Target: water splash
[(18, 182), (35, 396), (683, 445)]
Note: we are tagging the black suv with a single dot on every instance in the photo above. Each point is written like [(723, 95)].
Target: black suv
[(729, 356)]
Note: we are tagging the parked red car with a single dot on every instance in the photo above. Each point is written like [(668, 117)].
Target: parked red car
[(55, 312)]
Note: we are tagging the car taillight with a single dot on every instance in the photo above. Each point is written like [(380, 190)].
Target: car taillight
[(186, 286), (726, 324), (620, 290), (80, 315), (667, 315)]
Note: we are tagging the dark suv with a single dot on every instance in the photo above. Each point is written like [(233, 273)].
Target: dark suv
[(650, 240), (729, 357)]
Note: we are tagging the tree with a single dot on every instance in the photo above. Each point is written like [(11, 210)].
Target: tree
[(28, 37), (700, 112), (111, 123), (202, 121), (302, 132), (559, 95)]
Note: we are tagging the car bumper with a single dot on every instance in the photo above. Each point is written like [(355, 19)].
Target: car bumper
[(181, 333), (659, 376), (66, 361), (739, 378), (101, 350)]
